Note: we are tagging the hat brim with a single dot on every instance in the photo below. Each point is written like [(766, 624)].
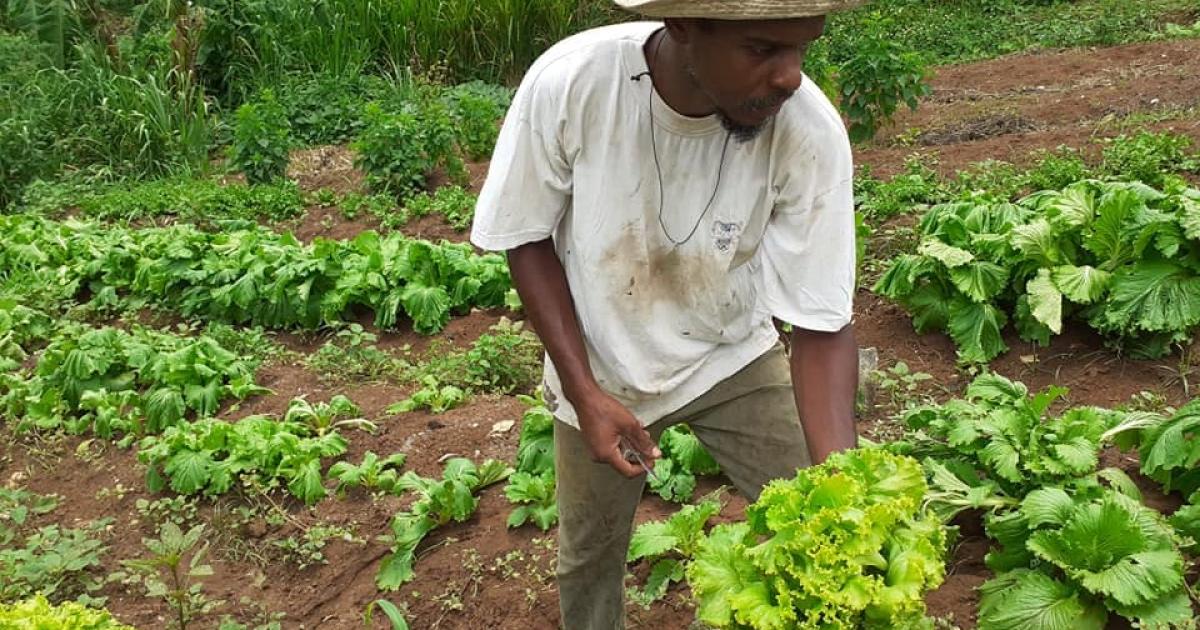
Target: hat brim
[(737, 9)]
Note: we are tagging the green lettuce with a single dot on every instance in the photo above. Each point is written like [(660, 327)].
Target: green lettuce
[(842, 545)]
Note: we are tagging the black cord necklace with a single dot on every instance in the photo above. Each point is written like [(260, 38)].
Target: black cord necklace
[(658, 167)]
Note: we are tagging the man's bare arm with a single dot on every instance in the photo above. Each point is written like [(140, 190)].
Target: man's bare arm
[(542, 284), (825, 377)]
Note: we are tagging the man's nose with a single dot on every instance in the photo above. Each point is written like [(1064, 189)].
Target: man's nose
[(787, 73)]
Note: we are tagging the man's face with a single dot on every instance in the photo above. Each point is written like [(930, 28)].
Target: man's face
[(748, 68)]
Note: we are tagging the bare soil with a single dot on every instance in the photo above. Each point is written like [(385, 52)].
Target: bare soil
[(481, 574)]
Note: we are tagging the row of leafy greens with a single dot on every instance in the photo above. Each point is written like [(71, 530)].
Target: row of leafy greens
[(1122, 257), (253, 275)]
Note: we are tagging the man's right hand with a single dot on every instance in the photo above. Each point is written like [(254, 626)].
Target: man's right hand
[(605, 423)]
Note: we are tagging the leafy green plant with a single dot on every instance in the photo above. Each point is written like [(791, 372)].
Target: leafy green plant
[(506, 359), (1070, 555), (16, 506), (998, 429), (261, 140), (432, 395), (170, 573), (58, 563), (373, 473), (842, 544), (1168, 447), (439, 501), (37, 613), (1148, 157), (452, 202), (665, 545), (683, 458), (353, 356), (534, 498), (207, 456), (531, 489), (254, 275), (135, 382), (323, 417), (477, 109), (1122, 257)]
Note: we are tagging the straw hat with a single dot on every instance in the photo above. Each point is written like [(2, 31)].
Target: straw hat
[(737, 9)]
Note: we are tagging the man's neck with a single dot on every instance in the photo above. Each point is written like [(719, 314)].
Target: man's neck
[(669, 73)]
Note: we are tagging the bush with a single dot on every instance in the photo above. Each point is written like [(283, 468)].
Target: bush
[(399, 151), (261, 139), (478, 108), (880, 76)]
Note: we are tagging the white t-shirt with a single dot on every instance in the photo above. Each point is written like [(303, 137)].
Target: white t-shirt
[(663, 323)]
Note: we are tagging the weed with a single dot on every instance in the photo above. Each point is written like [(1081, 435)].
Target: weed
[(1149, 157), (353, 356), (505, 360), (308, 549), (452, 202), (170, 571), (882, 74), (16, 506), (180, 510), (901, 385), (58, 563)]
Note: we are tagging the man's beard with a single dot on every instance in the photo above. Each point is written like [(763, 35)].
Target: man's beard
[(741, 132)]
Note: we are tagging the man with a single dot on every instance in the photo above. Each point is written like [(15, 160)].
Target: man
[(663, 190)]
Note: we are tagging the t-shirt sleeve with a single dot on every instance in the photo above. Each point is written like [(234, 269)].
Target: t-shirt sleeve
[(808, 250), (528, 186)]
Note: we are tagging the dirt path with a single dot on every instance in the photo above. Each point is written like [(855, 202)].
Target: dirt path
[(483, 575)]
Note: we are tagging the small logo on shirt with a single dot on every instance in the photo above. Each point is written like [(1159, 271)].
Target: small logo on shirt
[(725, 235)]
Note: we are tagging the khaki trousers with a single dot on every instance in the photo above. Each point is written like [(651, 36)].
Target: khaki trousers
[(750, 425)]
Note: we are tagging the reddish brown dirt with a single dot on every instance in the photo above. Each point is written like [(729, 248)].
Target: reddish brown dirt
[(480, 574), (1008, 108)]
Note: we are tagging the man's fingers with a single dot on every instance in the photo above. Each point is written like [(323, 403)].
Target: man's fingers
[(623, 466), (641, 440)]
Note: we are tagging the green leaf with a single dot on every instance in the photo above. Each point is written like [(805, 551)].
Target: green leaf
[(1038, 242), (1173, 610), (390, 610), (189, 470), (948, 255), (1030, 600), (662, 574), (427, 306), (1045, 301), (1137, 579), (1154, 295), (1082, 285), (1047, 506), (981, 280), (976, 329), (719, 570), (305, 484), (651, 539)]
